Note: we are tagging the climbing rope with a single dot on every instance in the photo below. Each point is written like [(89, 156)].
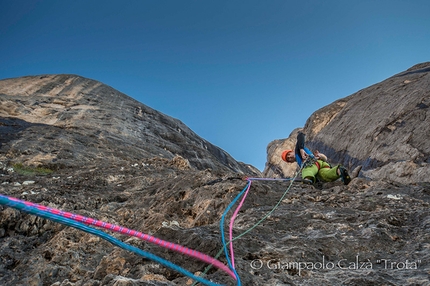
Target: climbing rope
[(223, 235), (244, 192), (81, 222), (269, 213), (247, 187), (131, 232), (232, 221)]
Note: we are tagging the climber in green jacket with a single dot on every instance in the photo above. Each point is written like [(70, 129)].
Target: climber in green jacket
[(315, 166)]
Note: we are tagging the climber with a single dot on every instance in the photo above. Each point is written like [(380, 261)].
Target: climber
[(315, 166)]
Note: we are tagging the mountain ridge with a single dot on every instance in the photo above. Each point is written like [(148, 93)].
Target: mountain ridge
[(71, 102)]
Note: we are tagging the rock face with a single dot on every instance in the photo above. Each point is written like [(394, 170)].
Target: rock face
[(68, 117), (383, 128), (85, 157)]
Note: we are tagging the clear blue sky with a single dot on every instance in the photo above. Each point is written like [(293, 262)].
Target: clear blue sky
[(238, 73)]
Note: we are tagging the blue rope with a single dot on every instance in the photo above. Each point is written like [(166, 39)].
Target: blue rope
[(222, 231), (69, 222)]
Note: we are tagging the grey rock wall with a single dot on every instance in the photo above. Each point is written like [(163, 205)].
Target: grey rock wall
[(68, 120), (383, 128)]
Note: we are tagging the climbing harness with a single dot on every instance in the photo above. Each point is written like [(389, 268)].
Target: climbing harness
[(309, 162)]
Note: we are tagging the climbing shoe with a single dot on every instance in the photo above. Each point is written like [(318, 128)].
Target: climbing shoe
[(344, 175), (318, 184), (308, 181)]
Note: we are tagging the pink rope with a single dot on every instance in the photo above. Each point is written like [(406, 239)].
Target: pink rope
[(232, 222), (240, 206), (146, 237)]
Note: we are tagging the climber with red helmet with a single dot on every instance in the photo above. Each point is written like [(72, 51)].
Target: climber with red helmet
[(314, 165)]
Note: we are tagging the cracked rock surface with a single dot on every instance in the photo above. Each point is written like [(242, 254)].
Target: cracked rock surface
[(91, 161)]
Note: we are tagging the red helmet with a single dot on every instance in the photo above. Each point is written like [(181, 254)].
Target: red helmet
[(284, 154)]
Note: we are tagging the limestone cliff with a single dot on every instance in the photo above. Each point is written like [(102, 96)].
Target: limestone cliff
[(383, 128), (48, 120)]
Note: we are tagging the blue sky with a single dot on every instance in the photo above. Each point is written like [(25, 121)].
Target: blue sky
[(238, 73)]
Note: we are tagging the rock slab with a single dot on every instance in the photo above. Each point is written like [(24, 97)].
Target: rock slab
[(383, 128)]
